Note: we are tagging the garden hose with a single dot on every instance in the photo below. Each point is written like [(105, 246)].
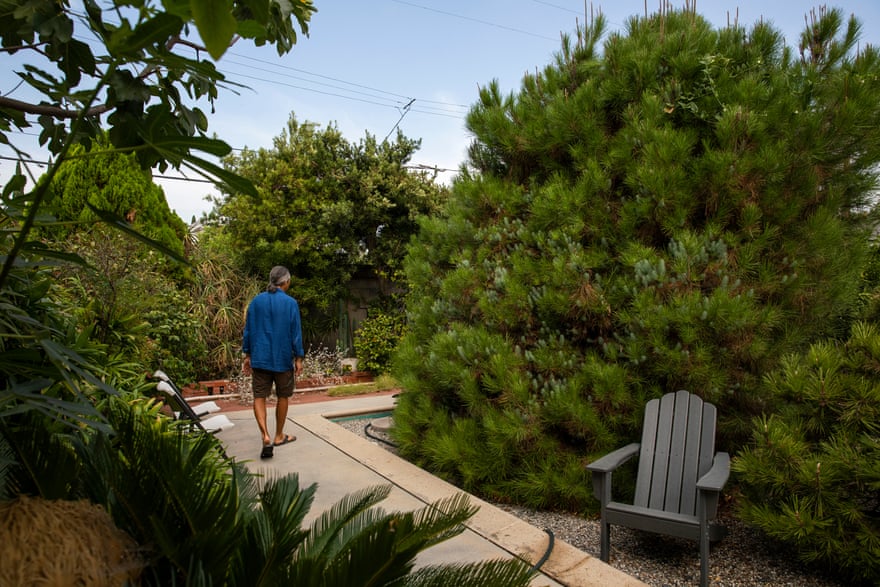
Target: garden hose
[(374, 437)]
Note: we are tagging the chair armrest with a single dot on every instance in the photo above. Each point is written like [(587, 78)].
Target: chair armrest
[(614, 459), (717, 476), (603, 468)]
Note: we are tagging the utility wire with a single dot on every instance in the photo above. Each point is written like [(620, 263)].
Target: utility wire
[(396, 106), (558, 7), (477, 20), (420, 167), (441, 108), (342, 81), (344, 89), (422, 101)]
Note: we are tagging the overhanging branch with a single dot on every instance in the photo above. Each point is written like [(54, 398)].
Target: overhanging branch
[(50, 110)]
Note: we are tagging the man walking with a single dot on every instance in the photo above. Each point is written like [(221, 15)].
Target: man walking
[(273, 353)]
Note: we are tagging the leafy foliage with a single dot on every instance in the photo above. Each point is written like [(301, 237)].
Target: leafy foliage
[(376, 339), (139, 75), (112, 182), (664, 213), (202, 519), (811, 475), (218, 296), (325, 208), (65, 432), (45, 364)]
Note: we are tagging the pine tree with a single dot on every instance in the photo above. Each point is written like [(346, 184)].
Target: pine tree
[(665, 213), (811, 476)]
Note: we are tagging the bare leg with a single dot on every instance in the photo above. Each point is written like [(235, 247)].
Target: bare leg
[(260, 415), (280, 419)]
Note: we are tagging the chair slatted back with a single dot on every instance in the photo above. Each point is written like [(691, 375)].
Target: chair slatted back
[(678, 445)]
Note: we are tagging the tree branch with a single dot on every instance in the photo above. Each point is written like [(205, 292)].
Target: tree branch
[(34, 46), (50, 110)]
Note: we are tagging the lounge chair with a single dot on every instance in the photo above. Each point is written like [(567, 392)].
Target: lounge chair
[(183, 410)]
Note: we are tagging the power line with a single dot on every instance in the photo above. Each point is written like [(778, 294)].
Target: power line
[(449, 109), (155, 176), (558, 7), (477, 20), (21, 160), (280, 83), (426, 106), (229, 61), (396, 106), (342, 81)]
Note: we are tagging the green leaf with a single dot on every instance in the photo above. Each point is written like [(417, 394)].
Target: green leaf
[(39, 248), (251, 29), (120, 224), (77, 57), (180, 145), (215, 23), (259, 9), (156, 30)]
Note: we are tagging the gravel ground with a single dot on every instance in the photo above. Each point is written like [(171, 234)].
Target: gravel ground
[(743, 558)]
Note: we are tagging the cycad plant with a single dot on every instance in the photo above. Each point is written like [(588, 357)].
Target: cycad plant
[(200, 518)]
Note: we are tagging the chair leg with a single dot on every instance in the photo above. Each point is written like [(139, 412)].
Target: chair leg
[(704, 557), (604, 540)]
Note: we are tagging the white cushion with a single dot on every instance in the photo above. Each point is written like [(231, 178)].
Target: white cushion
[(217, 423)]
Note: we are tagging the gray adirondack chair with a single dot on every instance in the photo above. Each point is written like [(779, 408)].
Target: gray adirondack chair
[(679, 476)]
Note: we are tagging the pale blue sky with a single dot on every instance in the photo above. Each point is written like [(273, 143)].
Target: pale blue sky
[(363, 62)]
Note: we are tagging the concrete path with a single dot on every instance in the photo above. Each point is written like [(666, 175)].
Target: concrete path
[(341, 462)]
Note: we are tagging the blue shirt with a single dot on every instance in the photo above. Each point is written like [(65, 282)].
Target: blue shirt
[(273, 332)]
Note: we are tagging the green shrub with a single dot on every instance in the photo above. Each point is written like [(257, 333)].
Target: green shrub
[(664, 211), (376, 339), (812, 474)]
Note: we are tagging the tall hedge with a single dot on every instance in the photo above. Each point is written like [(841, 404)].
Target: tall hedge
[(677, 207)]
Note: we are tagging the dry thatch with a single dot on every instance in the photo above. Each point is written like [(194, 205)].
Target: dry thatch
[(64, 543)]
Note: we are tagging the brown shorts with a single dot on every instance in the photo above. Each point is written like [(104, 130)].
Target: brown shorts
[(263, 380)]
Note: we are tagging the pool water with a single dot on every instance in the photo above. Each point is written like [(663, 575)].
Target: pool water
[(368, 416)]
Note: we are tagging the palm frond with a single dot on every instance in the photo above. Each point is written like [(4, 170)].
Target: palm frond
[(442, 519), (498, 573), (8, 487), (355, 543), (372, 557), (328, 527), (165, 487), (39, 456), (385, 550), (272, 532)]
